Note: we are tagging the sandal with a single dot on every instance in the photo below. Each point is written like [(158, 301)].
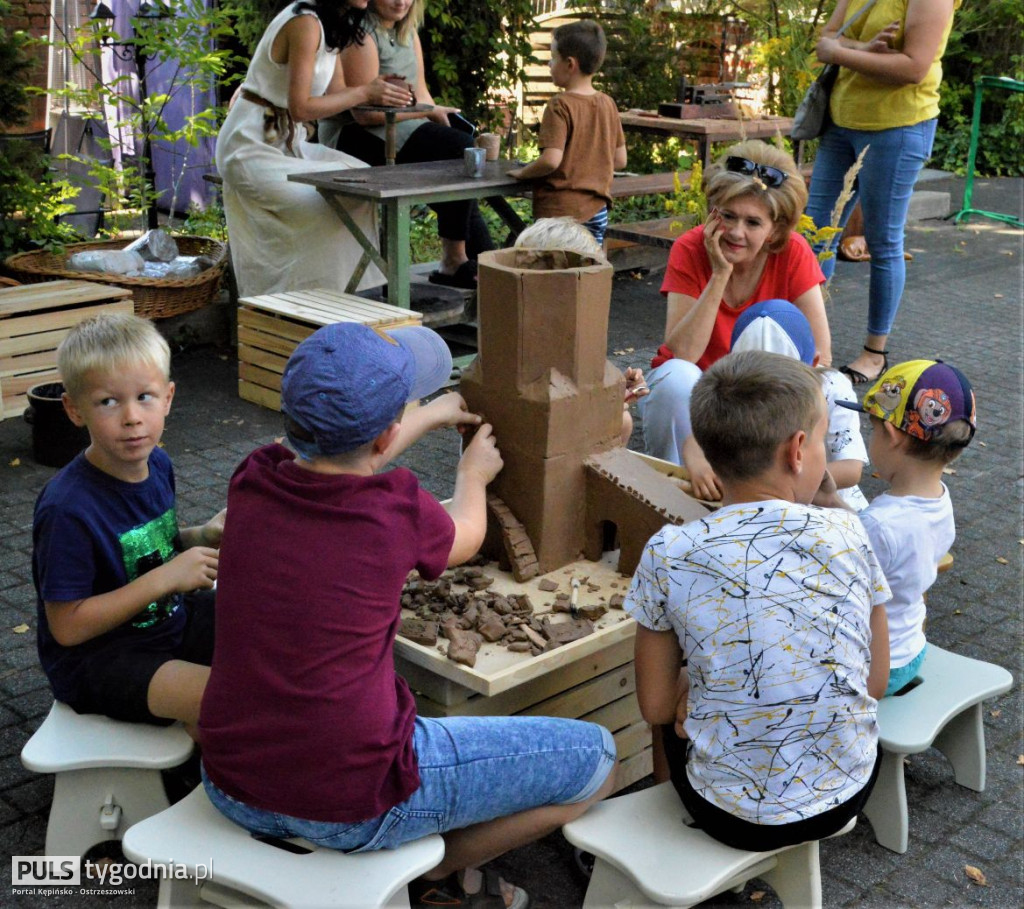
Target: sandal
[(449, 892), (857, 377), (464, 277), (853, 249)]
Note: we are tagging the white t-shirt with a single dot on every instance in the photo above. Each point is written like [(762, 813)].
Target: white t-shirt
[(844, 440), (771, 603), (909, 535)]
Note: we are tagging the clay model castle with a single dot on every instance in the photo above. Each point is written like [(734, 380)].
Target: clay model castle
[(568, 489)]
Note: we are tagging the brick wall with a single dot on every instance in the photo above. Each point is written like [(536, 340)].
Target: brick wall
[(33, 16)]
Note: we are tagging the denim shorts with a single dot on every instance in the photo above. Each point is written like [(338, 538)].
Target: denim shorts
[(472, 769)]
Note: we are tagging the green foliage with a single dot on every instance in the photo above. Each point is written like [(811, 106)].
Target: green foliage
[(187, 46), (986, 40), (30, 200), (206, 222), (250, 18), (474, 53), (14, 67), (785, 32)]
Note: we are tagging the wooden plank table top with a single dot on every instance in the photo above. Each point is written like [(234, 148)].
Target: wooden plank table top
[(498, 669), (706, 130), (398, 189), (55, 294)]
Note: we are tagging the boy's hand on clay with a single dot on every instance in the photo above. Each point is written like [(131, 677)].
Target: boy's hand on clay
[(193, 569), (212, 531), (703, 481), (481, 456), (635, 385), (451, 410)]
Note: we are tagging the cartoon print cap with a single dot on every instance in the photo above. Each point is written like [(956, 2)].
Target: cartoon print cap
[(919, 396), (775, 326), (346, 383)]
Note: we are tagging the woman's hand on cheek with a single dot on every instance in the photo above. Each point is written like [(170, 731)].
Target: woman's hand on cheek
[(713, 231)]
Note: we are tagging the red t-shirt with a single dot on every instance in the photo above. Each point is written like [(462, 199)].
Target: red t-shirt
[(304, 713), (787, 275)]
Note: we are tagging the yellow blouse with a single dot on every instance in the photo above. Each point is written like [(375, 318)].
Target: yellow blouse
[(860, 102)]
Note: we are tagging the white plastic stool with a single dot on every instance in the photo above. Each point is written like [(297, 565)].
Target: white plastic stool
[(646, 855), (942, 710), (107, 774), (229, 867)]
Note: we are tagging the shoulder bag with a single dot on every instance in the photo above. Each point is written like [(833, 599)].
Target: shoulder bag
[(812, 114)]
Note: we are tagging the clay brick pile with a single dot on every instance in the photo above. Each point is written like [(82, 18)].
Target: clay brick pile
[(460, 607)]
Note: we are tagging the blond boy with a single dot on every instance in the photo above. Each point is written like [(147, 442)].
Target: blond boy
[(120, 632)]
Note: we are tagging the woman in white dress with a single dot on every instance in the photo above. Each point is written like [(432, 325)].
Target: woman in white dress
[(284, 236)]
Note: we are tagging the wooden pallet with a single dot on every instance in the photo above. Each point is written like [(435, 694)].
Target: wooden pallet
[(271, 326), (34, 319), (591, 678)]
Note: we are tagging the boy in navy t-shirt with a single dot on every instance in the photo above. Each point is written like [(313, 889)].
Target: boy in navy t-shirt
[(118, 634)]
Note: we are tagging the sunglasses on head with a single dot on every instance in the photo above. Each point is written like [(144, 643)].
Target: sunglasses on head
[(770, 176)]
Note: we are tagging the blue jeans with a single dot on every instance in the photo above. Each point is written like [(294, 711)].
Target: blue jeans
[(884, 186), (666, 410), (472, 769), (598, 224)]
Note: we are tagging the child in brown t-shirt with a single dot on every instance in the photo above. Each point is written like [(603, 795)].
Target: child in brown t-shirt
[(581, 138)]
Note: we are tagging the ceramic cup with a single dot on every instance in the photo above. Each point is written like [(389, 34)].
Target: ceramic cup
[(491, 142), (473, 161)]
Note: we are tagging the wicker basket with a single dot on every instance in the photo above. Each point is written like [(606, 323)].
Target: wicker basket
[(154, 298)]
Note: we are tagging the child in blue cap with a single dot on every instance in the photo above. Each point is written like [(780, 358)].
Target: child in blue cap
[(306, 728), (777, 326), (922, 417)]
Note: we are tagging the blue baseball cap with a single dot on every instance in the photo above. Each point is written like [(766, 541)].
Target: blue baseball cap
[(775, 326), (346, 383)]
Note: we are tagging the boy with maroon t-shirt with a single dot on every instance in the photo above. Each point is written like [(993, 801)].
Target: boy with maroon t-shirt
[(306, 728)]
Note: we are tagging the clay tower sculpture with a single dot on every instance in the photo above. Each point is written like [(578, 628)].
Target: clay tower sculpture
[(543, 381)]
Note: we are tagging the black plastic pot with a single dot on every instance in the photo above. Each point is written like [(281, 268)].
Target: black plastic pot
[(55, 439)]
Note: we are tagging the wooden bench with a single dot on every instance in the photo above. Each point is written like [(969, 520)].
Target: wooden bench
[(646, 854), (941, 709), (107, 774), (270, 327), (226, 866), (34, 319)]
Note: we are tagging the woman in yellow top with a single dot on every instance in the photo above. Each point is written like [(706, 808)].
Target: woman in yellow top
[(886, 97)]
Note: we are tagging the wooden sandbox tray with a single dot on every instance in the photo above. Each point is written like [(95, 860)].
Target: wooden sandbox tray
[(591, 678)]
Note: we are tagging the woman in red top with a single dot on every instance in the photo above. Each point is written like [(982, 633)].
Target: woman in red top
[(745, 253)]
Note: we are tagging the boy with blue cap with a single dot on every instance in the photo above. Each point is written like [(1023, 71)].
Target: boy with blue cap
[(306, 728), (777, 326), (922, 417)]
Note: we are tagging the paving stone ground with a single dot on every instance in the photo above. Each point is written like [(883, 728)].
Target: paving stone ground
[(963, 303)]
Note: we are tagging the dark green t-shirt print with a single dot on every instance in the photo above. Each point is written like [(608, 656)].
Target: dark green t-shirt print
[(146, 547)]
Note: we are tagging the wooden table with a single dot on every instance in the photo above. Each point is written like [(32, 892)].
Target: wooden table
[(591, 678), (705, 131), (398, 189), (390, 133)]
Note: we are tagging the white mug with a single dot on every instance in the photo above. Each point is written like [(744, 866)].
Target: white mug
[(473, 161)]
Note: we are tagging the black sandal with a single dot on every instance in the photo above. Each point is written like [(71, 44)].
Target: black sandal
[(858, 378)]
